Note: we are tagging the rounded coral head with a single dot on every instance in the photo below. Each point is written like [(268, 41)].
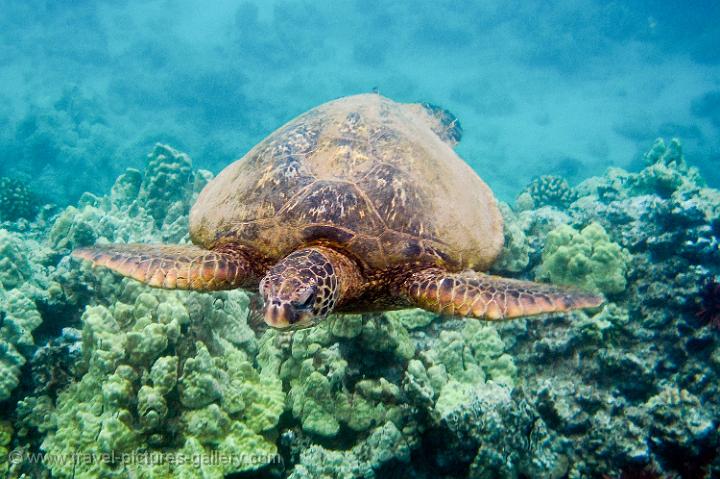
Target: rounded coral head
[(299, 291)]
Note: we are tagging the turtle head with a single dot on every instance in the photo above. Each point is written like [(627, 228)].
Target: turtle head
[(299, 291)]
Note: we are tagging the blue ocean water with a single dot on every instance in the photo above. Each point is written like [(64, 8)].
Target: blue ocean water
[(563, 88)]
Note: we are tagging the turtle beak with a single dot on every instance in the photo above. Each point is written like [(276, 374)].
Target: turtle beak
[(279, 315), (282, 315)]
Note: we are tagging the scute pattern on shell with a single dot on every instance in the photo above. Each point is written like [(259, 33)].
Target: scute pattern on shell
[(334, 202), (397, 200), (363, 174), (286, 173)]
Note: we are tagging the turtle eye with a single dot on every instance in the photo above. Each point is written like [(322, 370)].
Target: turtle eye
[(306, 300)]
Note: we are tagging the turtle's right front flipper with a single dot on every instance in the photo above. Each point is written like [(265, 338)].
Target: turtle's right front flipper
[(176, 266)]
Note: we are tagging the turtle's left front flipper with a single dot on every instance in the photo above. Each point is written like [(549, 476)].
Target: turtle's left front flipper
[(175, 266), (490, 297)]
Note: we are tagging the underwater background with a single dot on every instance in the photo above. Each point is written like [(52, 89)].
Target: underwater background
[(597, 124), (540, 87)]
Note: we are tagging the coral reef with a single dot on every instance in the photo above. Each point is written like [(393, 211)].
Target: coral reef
[(661, 221), (369, 459), (150, 386), (586, 259), (91, 363), (23, 282), (168, 180), (141, 207), (16, 200), (547, 190), (515, 255), (15, 265), (19, 318), (316, 371)]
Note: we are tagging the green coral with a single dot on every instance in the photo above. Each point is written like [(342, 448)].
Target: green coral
[(313, 372), (385, 333), (10, 363), (324, 402), (15, 266), (319, 397), (314, 404), (666, 171), (474, 354), (20, 317), (148, 389), (550, 190), (20, 286), (386, 443), (346, 326), (6, 433), (449, 374), (152, 206), (586, 259), (163, 373), (515, 254), (411, 319), (168, 179)]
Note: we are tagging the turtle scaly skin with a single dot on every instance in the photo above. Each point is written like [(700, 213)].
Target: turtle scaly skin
[(334, 279), (358, 205), (179, 266), (491, 297)]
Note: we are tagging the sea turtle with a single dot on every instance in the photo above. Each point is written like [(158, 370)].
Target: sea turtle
[(360, 204)]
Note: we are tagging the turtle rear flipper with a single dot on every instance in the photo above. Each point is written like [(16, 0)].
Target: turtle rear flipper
[(175, 266), (490, 297)]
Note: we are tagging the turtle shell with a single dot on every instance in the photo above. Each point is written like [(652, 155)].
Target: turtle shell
[(374, 178)]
